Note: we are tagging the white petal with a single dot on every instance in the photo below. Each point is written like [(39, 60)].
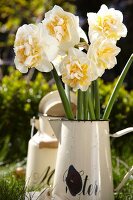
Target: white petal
[(79, 54), (84, 88), (82, 34), (50, 44), (91, 16), (124, 31), (20, 67), (57, 61), (118, 14), (45, 66), (27, 49), (52, 49), (96, 71), (103, 9), (54, 10), (28, 61)]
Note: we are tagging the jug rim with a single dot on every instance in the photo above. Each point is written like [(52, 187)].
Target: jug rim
[(57, 118), (46, 115), (74, 120)]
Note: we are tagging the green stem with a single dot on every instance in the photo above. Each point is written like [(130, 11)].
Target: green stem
[(116, 89), (92, 93), (91, 106), (97, 99), (80, 105), (67, 91), (85, 105), (65, 102)]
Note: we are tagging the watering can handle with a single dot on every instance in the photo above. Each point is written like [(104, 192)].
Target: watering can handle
[(122, 132), (130, 172)]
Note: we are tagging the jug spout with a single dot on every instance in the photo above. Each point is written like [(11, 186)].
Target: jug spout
[(56, 126)]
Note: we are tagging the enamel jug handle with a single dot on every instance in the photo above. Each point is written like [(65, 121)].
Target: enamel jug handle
[(130, 172), (34, 124)]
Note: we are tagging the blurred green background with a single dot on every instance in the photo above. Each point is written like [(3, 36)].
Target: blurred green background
[(20, 94)]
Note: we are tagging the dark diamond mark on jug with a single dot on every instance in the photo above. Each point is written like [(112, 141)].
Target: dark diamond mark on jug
[(73, 181), (78, 183)]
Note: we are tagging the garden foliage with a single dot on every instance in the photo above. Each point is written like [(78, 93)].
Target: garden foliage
[(19, 101)]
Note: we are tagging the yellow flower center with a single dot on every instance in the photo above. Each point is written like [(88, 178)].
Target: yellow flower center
[(105, 52), (76, 74), (26, 50), (58, 27), (103, 55), (106, 25)]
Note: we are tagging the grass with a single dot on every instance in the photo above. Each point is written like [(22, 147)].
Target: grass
[(120, 168), (11, 188), (12, 185)]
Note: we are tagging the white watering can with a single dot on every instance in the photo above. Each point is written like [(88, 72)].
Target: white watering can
[(83, 166)]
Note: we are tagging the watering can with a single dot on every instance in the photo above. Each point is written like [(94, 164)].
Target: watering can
[(83, 165)]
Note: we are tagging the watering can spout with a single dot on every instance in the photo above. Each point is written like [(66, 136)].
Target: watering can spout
[(56, 126)]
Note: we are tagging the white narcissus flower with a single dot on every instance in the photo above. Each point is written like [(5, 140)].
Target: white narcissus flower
[(102, 54), (76, 70), (34, 48), (107, 23), (62, 25)]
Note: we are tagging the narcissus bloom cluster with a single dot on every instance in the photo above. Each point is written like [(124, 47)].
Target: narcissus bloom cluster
[(58, 36), (59, 44)]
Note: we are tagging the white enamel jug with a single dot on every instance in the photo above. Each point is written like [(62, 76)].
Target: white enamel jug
[(83, 166), (41, 156)]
